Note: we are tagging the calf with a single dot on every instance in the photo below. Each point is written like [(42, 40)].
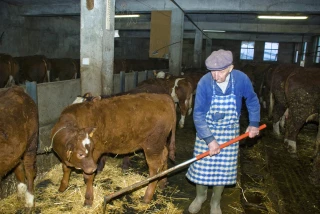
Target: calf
[(63, 69), (181, 90), (9, 71), (86, 131), (18, 140)]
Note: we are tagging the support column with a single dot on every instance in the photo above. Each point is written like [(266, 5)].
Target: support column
[(197, 52), (208, 47), (176, 35), (97, 46)]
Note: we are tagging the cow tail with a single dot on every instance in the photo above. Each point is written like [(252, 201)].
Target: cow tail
[(172, 144), (47, 75)]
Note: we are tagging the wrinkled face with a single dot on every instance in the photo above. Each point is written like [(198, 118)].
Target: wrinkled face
[(79, 152), (220, 76)]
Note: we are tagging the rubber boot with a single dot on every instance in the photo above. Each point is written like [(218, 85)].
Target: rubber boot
[(196, 204), (215, 200)]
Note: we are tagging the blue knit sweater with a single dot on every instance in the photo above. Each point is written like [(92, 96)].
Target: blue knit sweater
[(243, 89)]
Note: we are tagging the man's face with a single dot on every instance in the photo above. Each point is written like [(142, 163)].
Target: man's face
[(220, 76)]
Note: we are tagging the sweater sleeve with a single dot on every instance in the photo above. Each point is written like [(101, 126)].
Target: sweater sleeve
[(201, 107), (252, 103)]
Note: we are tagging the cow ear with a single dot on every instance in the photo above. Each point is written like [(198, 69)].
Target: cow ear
[(90, 130)]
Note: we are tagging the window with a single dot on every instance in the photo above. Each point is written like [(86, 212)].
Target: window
[(247, 50), (317, 60), (270, 51)]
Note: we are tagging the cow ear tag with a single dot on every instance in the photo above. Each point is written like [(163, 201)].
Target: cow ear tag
[(69, 152), (91, 134)]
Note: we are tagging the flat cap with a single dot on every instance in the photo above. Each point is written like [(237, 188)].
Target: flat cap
[(219, 60)]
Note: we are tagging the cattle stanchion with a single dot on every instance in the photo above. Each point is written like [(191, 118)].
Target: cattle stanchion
[(107, 198)]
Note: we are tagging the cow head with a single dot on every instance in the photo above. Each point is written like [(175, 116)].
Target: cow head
[(75, 147)]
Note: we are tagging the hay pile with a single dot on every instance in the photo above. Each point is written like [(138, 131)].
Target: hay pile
[(48, 200)]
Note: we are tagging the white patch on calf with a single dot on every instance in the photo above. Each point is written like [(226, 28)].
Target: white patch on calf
[(161, 75), (29, 199), (78, 100), (85, 142), (173, 92), (276, 128), (181, 122), (292, 146), (22, 188)]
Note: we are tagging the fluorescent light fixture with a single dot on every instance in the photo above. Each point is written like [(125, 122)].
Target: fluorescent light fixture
[(127, 16), (282, 17), (214, 31)]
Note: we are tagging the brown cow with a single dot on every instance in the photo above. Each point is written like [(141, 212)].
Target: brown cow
[(63, 69), (278, 106), (86, 131), (9, 71), (34, 68), (18, 140), (302, 91)]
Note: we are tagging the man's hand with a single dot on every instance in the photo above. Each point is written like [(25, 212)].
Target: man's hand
[(253, 131), (214, 148)]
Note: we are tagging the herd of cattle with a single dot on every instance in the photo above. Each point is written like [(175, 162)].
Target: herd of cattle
[(38, 68), (81, 139)]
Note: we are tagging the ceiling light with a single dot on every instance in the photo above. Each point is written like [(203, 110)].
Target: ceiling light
[(214, 31), (282, 17), (127, 16)]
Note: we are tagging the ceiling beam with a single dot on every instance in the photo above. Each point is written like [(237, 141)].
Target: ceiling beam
[(189, 6), (206, 6), (232, 27), (228, 36)]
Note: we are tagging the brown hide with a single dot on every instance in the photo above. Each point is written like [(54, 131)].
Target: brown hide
[(63, 69), (123, 125), (8, 67), (303, 97), (128, 65), (180, 89), (302, 91), (34, 68), (18, 136), (279, 77), (265, 85)]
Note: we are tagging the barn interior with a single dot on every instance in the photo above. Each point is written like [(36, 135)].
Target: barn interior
[(182, 34)]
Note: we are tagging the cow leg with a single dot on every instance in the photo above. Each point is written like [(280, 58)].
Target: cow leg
[(317, 144), (30, 170), (65, 178), (293, 127), (20, 175), (190, 105), (183, 110), (88, 179), (276, 118), (101, 163), (156, 164), (126, 162)]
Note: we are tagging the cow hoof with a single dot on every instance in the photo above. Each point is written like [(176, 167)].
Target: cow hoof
[(87, 203), (62, 189), (28, 210)]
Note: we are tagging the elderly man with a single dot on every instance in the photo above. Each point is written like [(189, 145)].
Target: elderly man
[(216, 117)]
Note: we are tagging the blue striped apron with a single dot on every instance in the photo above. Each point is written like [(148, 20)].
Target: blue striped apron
[(220, 169)]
